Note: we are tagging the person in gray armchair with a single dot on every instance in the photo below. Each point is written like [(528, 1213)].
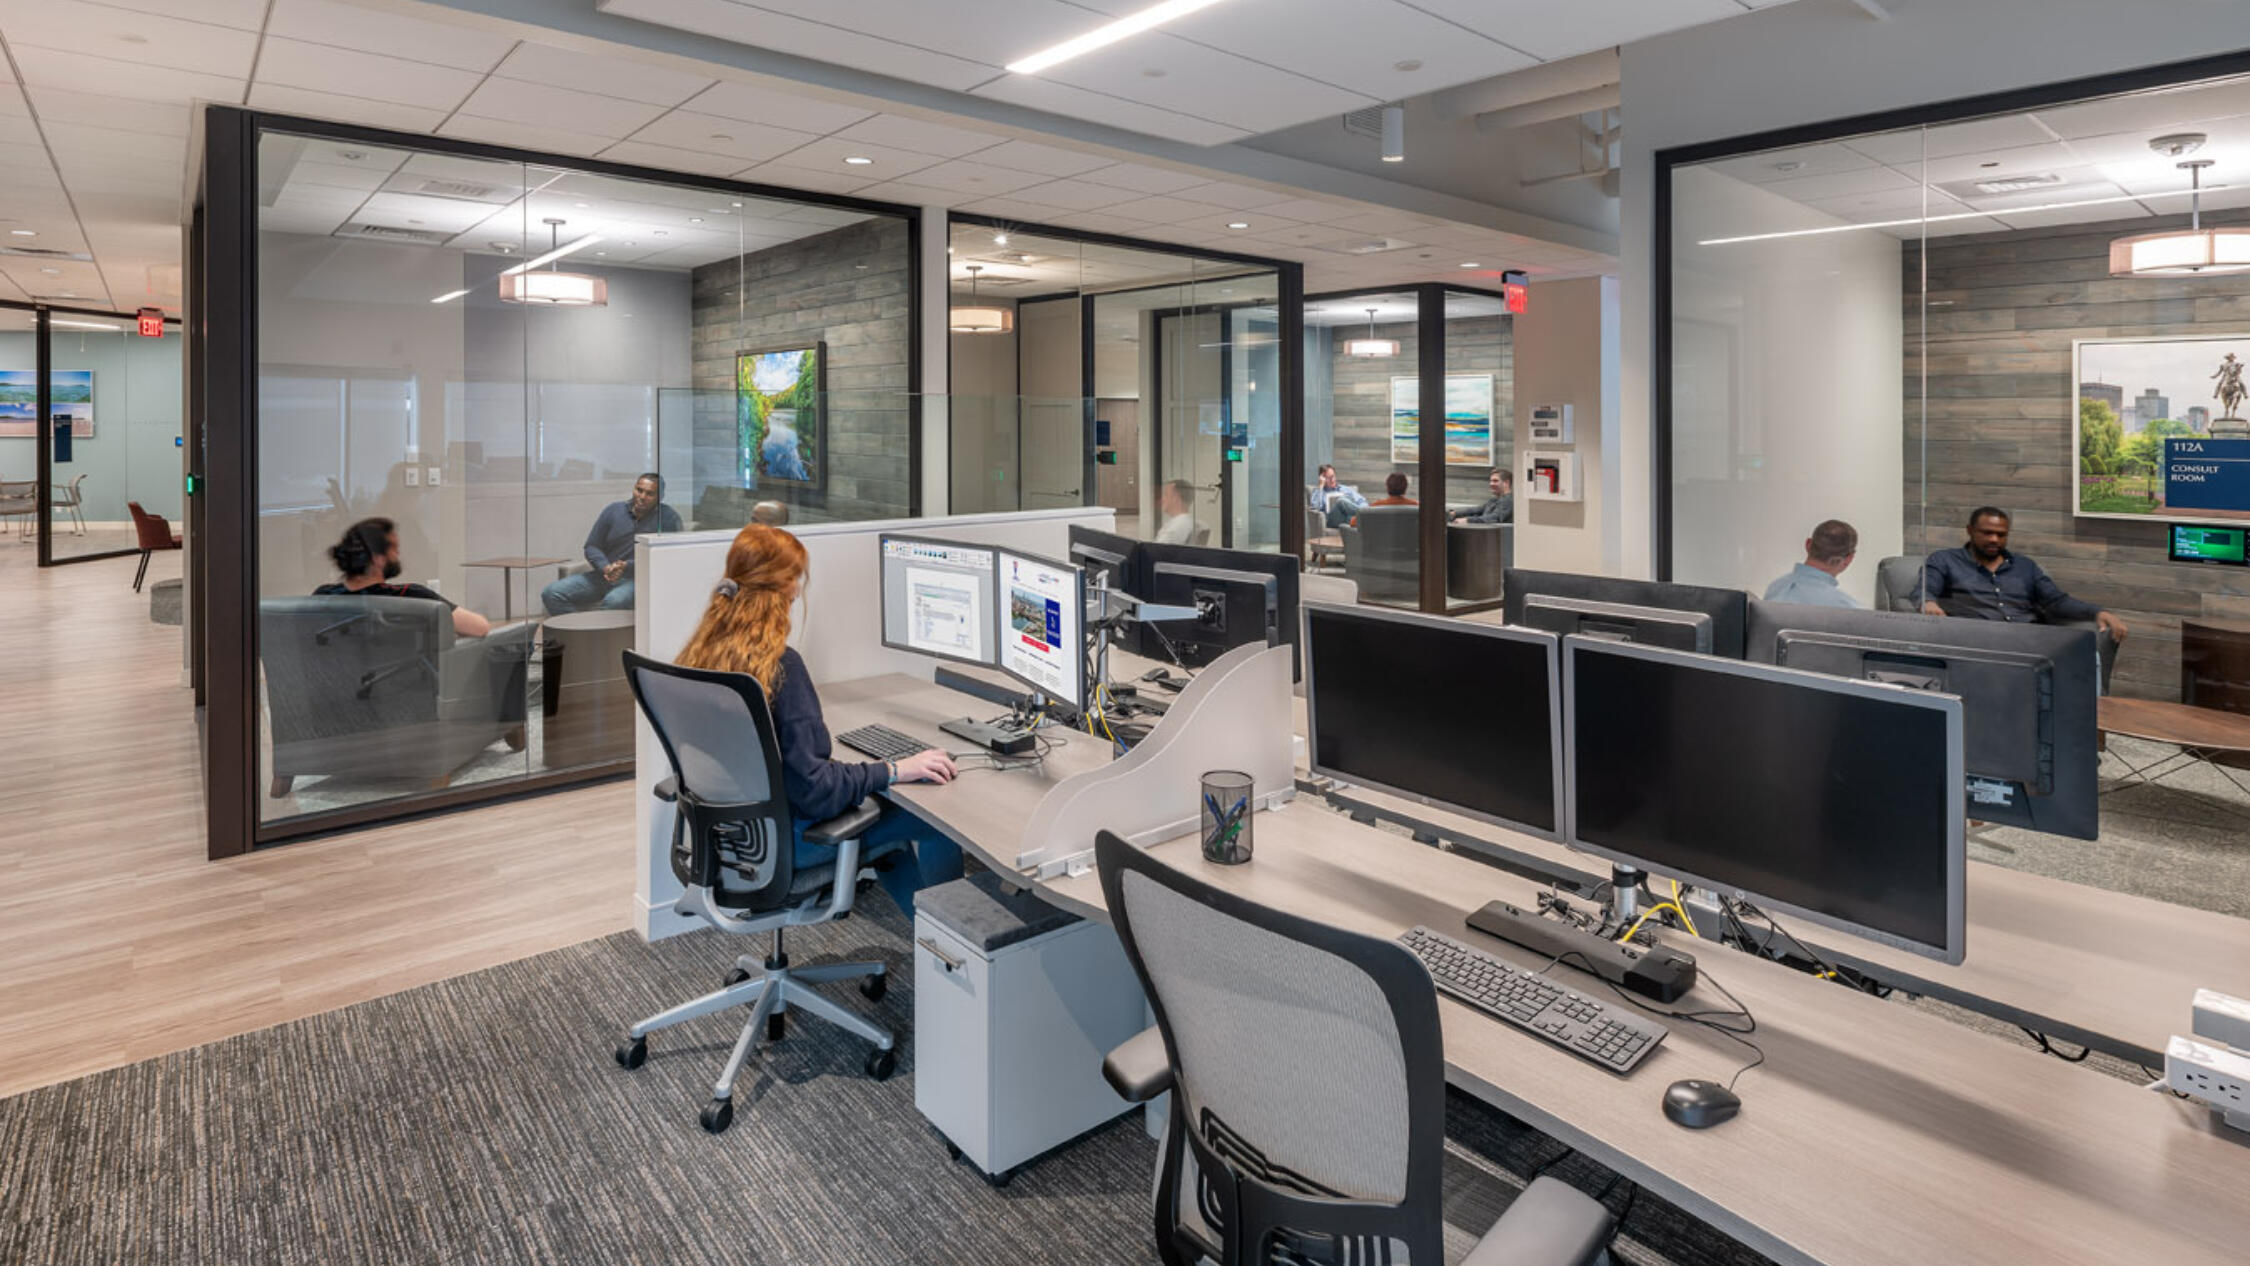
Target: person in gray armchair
[(368, 557), (1982, 580), (1828, 551), (609, 551), (1501, 508)]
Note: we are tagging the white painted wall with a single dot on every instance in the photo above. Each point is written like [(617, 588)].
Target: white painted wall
[(1826, 59), (838, 630), (1788, 399), (1562, 357)]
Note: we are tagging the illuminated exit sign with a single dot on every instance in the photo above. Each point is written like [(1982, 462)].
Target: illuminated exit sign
[(152, 323)]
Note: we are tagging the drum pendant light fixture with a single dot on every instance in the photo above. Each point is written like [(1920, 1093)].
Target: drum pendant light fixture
[(1371, 347), (2194, 251), (979, 318), (527, 283)]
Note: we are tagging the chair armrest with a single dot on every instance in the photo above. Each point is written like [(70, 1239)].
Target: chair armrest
[(848, 825), (1551, 1224), (668, 791), (1139, 1069)]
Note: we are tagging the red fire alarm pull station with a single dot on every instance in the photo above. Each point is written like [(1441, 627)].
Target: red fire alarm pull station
[(152, 323)]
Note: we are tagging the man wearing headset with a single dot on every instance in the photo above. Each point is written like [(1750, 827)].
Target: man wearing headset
[(609, 551)]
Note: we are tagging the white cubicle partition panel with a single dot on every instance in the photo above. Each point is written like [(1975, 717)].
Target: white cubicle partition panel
[(838, 629), (1235, 715)]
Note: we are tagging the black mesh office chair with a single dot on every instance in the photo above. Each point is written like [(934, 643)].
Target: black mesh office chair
[(1307, 1073), (731, 847)]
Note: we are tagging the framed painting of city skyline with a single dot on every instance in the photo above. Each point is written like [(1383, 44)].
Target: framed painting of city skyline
[(781, 422), (2144, 410), (73, 393)]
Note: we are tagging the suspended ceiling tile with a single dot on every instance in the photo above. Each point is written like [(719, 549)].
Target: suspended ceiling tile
[(1234, 197), (1204, 83), (296, 64), (1314, 210), (910, 194), (1142, 179), (829, 153), (62, 105), (1865, 180), (1357, 44), (141, 39), (647, 154), (966, 176), (246, 15), (2151, 113), (1079, 103), (375, 31), (819, 40), (1398, 223), (1160, 210), (609, 76), (1044, 160), (1797, 161), (712, 134), (1548, 30), (527, 136), (1075, 195), (756, 104), (817, 180), (48, 67), (559, 109), (343, 109), (69, 140), (1907, 148), (917, 135)]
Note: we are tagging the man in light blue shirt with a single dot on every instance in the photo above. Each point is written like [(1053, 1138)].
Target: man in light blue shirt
[(1828, 551), (1337, 502)]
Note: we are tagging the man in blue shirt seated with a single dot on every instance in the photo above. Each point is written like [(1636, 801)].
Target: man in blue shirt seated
[(1337, 502), (1984, 581), (609, 551), (1828, 551)]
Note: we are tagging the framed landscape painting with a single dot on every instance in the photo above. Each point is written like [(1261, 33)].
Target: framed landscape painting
[(2158, 428), (1468, 419), (19, 401), (781, 422)]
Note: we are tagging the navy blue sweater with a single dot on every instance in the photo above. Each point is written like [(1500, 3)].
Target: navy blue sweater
[(818, 787)]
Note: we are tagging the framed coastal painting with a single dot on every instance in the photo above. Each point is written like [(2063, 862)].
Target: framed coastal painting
[(781, 422), (1468, 419), (73, 393)]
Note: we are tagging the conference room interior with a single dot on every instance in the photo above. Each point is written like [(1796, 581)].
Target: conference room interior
[(370, 822)]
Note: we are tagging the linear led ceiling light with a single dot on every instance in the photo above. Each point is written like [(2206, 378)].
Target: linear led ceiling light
[(1826, 229), (554, 288), (1371, 346), (1103, 36), (2191, 252)]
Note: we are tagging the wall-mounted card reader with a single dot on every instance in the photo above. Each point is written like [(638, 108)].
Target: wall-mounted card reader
[(1550, 424), (1547, 476)]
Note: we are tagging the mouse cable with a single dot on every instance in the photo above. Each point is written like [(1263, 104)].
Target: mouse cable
[(2044, 1045), (1826, 971), (1738, 1036)]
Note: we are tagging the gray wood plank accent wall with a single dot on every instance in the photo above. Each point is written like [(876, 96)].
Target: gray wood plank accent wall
[(2004, 309), (1361, 395), (850, 287)]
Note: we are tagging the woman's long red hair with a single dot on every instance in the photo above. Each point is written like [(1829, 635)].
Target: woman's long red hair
[(747, 630)]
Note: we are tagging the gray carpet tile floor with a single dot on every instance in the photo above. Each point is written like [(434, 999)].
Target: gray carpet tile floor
[(483, 1120)]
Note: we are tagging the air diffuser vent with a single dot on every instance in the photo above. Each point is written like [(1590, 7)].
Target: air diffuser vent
[(1368, 246), (386, 233), (2019, 184), (46, 252), (461, 189), (1367, 122)]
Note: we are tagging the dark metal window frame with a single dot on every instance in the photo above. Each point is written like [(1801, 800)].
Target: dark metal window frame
[(222, 439), (43, 464), (1430, 348), (1290, 301), (1982, 105)]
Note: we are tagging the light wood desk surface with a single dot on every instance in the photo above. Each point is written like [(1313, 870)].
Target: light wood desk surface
[(1874, 1135), (2086, 965)]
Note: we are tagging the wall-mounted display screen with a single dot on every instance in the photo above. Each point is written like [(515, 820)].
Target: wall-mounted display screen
[(2194, 543)]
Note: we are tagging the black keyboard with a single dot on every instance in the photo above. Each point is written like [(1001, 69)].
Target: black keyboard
[(882, 742), (1611, 1037)]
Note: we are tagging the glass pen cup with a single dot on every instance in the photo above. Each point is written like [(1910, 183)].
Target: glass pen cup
[(1227, 796)]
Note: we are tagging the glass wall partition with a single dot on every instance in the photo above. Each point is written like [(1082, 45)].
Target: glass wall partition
[(480, 376), (1101, 372), (2033, 307), (1371, 359), (19, 428)]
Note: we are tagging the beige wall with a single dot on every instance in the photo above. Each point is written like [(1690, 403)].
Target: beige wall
[(1565, 345)]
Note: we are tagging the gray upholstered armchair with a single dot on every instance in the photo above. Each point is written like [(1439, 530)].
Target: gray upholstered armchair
[(1382, 553), (1898, 587), (378, 687)]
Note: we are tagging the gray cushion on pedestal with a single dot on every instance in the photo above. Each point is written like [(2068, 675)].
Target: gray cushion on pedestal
[(979, 913)]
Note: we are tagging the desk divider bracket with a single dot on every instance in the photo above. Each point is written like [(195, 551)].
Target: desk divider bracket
[(1234, 715)]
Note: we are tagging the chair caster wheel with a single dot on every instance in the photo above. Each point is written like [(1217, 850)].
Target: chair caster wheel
[(733, 978), (776, 1025), (881, 1064), (717, 1115), (874, 987), (632, 1053)]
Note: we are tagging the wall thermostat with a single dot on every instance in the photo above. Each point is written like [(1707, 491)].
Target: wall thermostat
[(1550, 424)]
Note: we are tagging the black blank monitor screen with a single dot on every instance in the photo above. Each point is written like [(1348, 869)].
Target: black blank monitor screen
[(1841, 800), (1455, 713)]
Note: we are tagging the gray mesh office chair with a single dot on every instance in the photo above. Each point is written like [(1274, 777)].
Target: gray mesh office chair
[(731, 847), (1307, 1120)]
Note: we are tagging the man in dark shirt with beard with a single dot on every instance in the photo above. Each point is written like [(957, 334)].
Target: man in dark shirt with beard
[(1982, 580)]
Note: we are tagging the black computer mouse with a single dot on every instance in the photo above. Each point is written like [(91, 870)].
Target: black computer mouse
[(1699, 1105)]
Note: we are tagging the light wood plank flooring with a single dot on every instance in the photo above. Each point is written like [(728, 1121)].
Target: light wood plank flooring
[(119, 941)]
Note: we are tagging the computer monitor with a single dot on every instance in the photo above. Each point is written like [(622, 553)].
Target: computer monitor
[(2199, 543), (938, 598), (1106, 555), (1832, 800), (1221, 583), (1043, 625), (1728, 608), (2029, 695), (1459, 715), (1619, 622)]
